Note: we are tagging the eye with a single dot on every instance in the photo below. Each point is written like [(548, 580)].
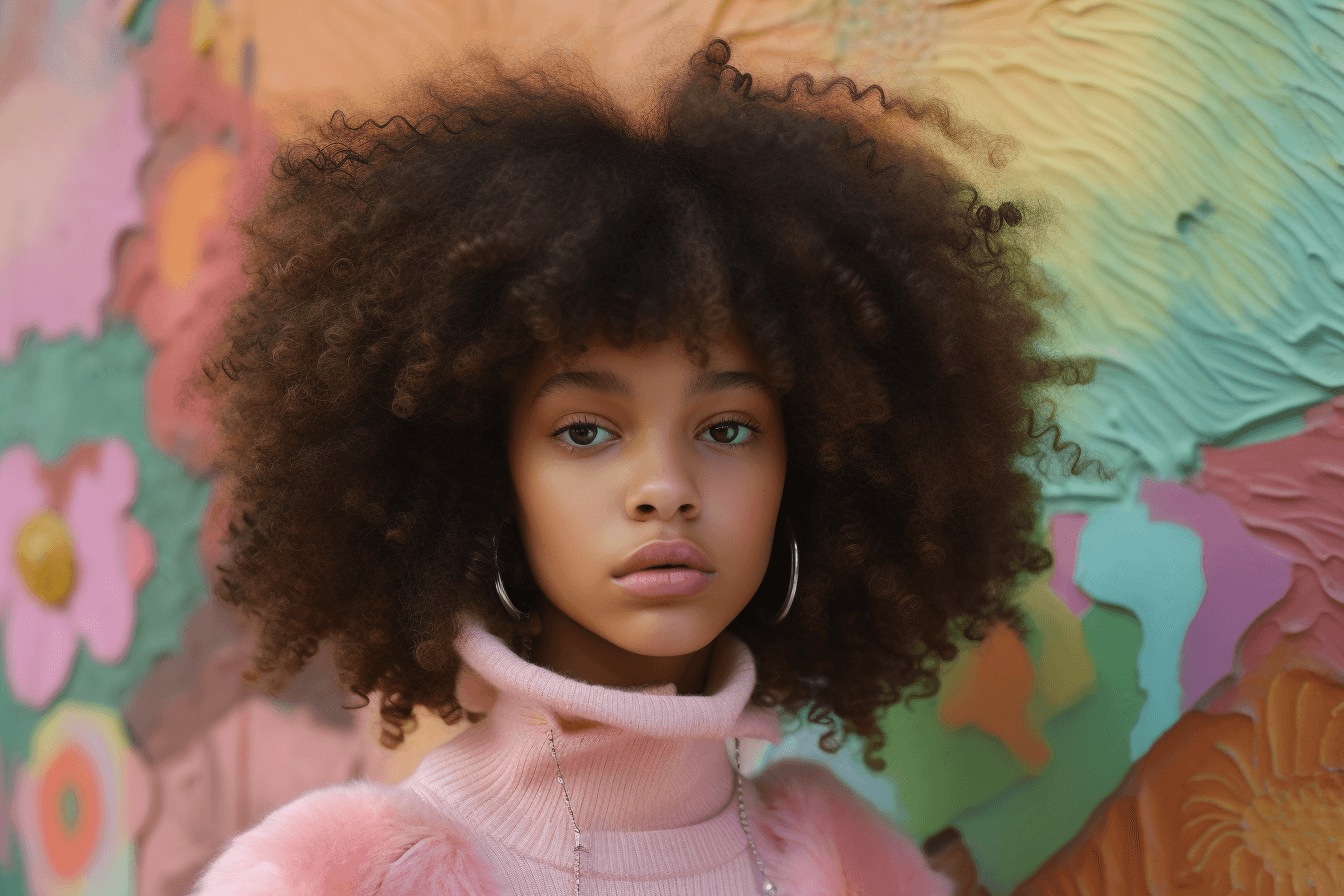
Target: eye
[(732, 433), (584, 434)]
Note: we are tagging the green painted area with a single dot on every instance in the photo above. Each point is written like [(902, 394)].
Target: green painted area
[(55, 395), (1014, 833), (940, 772), (11, 878), (69, 809)]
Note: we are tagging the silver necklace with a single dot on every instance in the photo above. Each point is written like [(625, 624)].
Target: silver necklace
[(768, 888)]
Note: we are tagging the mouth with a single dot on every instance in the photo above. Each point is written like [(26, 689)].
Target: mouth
[(664, 581), (665, 557)]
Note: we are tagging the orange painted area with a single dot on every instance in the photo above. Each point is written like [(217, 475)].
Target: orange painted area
[(1223, 803), (194, 197), (992, 690), (69, 850)]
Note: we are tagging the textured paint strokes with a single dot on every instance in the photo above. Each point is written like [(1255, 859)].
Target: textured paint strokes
[(1244, 577), (1151, 121), (1153, 570), (311, 56), (1290, 493), (1193, 150)]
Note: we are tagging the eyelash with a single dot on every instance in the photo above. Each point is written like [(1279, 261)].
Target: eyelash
[(755, 433)]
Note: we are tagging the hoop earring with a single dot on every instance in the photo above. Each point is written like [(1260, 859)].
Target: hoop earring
[(793, 579), (499, 583)]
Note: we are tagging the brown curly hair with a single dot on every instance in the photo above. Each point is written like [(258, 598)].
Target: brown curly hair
[(406, 271)]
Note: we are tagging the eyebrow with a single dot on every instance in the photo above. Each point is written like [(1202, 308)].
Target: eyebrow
[(608, 383)]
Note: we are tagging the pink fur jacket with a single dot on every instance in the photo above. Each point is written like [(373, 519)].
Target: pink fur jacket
[(651, 783), (362, 839)]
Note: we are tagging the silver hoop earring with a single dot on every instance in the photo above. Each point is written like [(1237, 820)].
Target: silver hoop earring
[(499, 584), (793, 578)]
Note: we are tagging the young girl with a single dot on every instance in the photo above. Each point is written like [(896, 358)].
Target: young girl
[(619, 435)]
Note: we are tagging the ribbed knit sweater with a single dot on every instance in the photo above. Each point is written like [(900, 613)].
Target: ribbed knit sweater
[(651, 783)]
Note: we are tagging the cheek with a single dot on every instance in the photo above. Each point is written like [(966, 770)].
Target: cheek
[(558, 518), (748, 513)]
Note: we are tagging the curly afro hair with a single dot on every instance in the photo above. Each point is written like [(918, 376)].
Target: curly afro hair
[(404, 273)]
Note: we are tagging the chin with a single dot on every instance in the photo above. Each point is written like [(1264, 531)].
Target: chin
[(663, 633)]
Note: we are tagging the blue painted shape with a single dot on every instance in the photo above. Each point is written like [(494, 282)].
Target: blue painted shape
[(1155, 571)]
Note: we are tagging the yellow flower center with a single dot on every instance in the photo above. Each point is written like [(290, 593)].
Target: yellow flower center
[(1297, 828), (46, 557)]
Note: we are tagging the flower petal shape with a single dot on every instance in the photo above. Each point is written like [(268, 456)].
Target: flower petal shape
[(25, 495), (102, 607), (40, 645)]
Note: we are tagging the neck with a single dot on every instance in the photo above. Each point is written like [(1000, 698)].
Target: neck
[(566, 647)]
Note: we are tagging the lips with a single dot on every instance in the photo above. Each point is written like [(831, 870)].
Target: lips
[(679, 553)]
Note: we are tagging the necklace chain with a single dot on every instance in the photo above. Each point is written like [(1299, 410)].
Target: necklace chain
[(767, 888)]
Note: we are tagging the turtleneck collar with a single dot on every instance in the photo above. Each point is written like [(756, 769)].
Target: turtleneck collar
[(654, 761)]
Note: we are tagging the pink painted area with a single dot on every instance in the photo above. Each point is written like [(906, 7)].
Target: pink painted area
[(57, 267), (24, 495), (1064, 531), (194, 117), (102, 607), (1290, 493), (1307, 609), (92, 489), (182, 86), (1244, 576)]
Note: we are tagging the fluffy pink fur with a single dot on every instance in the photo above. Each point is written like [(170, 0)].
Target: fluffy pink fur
[(834, 843), (362, 839), (354, 839)]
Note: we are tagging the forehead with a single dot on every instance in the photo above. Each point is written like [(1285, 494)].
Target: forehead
[(607, 368)]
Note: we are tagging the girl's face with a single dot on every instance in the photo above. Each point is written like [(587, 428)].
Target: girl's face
[(625, 448)]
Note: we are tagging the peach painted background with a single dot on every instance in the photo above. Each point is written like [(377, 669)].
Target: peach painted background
[(1191, 151)]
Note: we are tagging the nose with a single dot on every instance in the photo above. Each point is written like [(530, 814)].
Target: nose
[(663, 481)]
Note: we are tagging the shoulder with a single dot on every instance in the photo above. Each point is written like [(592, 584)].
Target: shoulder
[(352, 839), (839, 842)]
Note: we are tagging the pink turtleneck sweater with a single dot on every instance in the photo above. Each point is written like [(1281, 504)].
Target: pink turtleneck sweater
[(650, 779)]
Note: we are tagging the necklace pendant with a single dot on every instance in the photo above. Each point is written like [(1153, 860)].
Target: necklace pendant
[(768, 888)]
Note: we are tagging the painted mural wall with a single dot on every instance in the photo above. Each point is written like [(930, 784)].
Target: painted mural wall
[(1183, 680)]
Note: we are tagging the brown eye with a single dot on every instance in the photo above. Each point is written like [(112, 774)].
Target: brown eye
[(728, 432), (731, 433), (583, 433)]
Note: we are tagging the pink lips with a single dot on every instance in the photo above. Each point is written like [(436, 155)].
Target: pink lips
[(664, 582), (690, 572)]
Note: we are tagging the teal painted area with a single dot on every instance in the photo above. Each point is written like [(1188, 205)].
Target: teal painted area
[(140, 28), (1233, 222), (1153, 570), (57, 394), (1014, 833), (11, 878)]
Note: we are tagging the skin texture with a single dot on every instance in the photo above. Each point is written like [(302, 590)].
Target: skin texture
[(598, 475)]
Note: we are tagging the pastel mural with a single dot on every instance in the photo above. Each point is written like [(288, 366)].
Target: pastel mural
[(1189, 641)]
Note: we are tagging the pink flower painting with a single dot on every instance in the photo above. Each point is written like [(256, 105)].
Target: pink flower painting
[(74, 560), (79, 801)]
